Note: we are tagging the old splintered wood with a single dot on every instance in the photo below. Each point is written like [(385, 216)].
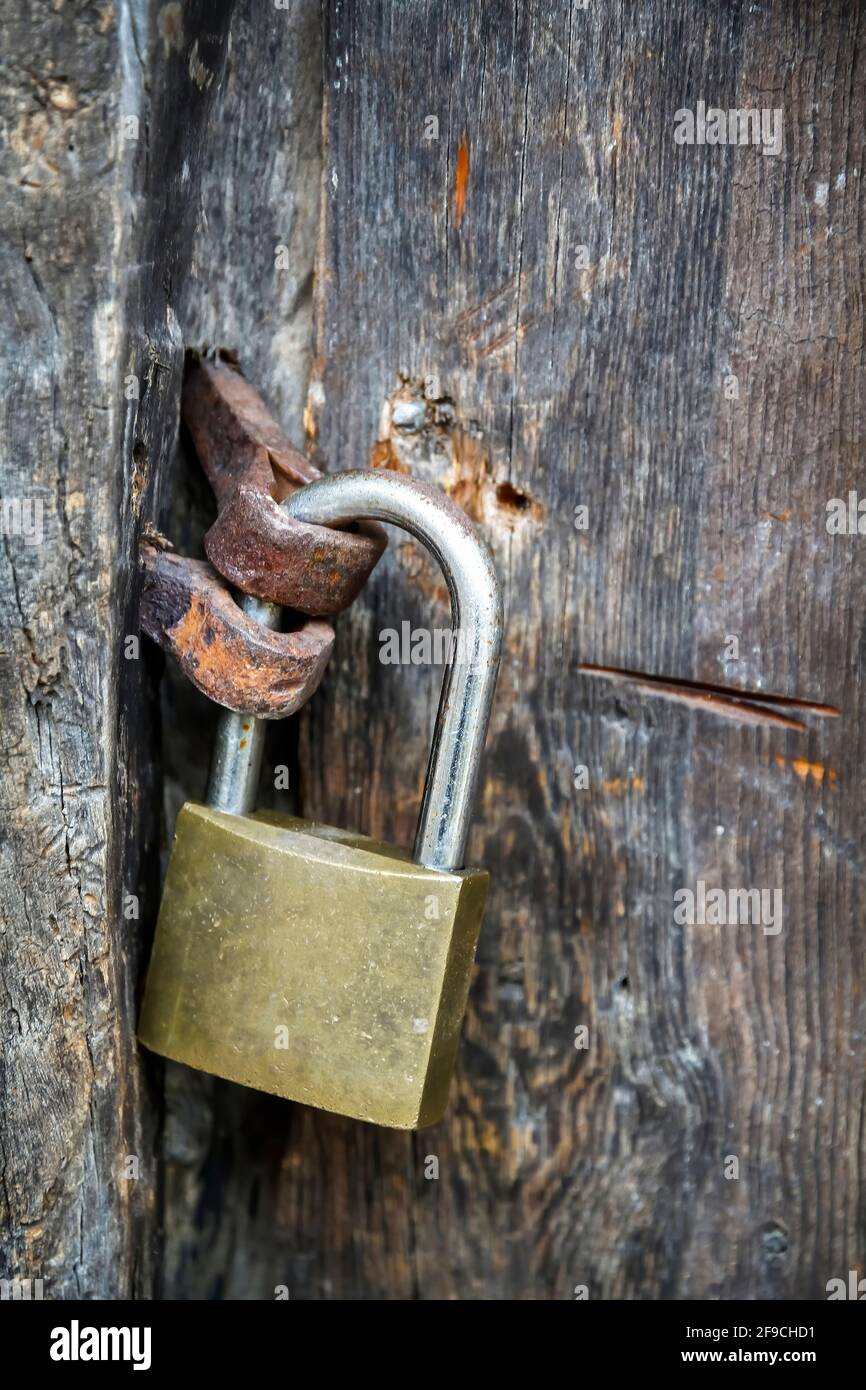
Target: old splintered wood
[(104, 123)]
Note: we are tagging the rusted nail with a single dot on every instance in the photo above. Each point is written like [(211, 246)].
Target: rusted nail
[(728, 701)]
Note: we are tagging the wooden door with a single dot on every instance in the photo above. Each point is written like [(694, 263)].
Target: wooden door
[(636, 360)]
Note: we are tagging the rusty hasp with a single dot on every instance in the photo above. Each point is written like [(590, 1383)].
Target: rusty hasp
[(236, 662), (252, 468)]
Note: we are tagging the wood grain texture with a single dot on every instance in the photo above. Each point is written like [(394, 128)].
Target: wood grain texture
[(462, 334), (94, 102), (556, 379), (260, 168)]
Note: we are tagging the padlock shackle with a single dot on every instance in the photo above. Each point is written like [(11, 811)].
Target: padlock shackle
[(476, 622), (236, 761)]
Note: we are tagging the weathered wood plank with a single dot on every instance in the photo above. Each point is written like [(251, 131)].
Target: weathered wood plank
[(559, 380), (249, 290), (100, 110)]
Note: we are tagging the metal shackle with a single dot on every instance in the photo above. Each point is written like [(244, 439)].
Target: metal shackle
[(476, 622)]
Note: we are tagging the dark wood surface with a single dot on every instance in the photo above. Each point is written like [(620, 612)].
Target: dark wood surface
[(450, 282), (96, 235), (457, 260)]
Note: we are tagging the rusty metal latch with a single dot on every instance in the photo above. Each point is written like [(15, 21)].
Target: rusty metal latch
[(255, 546)]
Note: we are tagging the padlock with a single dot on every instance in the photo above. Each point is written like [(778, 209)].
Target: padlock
[(315, 963)]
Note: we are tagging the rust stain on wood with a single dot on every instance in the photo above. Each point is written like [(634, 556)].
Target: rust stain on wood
[(470, 484), (618, 786), (384, 455), (461, 181), (805, 770)]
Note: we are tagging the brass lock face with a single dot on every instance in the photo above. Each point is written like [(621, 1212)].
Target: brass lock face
[(316, 964)]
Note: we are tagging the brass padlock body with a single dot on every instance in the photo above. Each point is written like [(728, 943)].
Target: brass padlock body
[(313, 963)]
